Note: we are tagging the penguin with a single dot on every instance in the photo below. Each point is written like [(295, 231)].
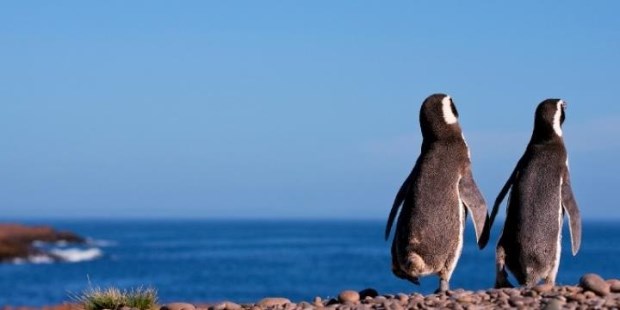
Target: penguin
[(540, 194), (435, 199)]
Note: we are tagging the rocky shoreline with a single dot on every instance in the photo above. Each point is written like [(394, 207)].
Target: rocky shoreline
[(591, 293), (18, 241)]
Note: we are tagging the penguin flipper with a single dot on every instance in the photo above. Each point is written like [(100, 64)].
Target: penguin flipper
[(474, 202), (398, 201), (574, 218), (484, 239)]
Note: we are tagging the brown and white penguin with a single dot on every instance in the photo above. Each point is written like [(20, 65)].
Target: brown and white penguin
[(435, 198), (540, 195)]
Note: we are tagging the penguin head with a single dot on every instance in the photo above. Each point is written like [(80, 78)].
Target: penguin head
[(439, 117), (550, 116)]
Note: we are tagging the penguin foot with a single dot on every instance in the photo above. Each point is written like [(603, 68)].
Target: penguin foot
[(439, 291), (443, 286)]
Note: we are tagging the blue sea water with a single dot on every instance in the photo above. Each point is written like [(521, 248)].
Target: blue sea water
[(206, 261)]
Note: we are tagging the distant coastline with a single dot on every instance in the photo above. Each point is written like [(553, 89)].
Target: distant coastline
[(19, 242)]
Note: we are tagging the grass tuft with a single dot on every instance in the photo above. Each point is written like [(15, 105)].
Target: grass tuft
[(141, 298), (96, 298)]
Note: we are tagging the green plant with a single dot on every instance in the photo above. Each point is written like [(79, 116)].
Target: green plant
[(96, 298), (141, 298)]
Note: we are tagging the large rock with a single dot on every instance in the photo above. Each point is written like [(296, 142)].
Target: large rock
[(368, 292), (614, 285), (349, 296), (594, 283), (273, 302)]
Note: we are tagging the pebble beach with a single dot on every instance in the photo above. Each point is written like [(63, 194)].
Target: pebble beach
[(592, 292)]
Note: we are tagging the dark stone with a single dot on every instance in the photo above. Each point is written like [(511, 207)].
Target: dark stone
[(332, 301), (368, 292)]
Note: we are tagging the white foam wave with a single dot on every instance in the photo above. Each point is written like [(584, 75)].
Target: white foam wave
[(100, 243), (34, 259), (74, 255)]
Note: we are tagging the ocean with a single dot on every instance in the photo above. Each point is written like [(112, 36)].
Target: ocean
[(246, 260)]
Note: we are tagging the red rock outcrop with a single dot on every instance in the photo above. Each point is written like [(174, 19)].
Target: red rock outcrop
[(16, 241)]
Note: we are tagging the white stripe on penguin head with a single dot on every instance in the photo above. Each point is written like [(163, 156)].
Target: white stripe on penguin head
[(556, 118), (446, 108)]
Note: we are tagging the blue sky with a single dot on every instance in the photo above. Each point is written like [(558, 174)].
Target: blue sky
[(249, 109)]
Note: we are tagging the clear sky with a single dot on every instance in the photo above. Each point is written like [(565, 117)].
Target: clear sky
[(288, 109)]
